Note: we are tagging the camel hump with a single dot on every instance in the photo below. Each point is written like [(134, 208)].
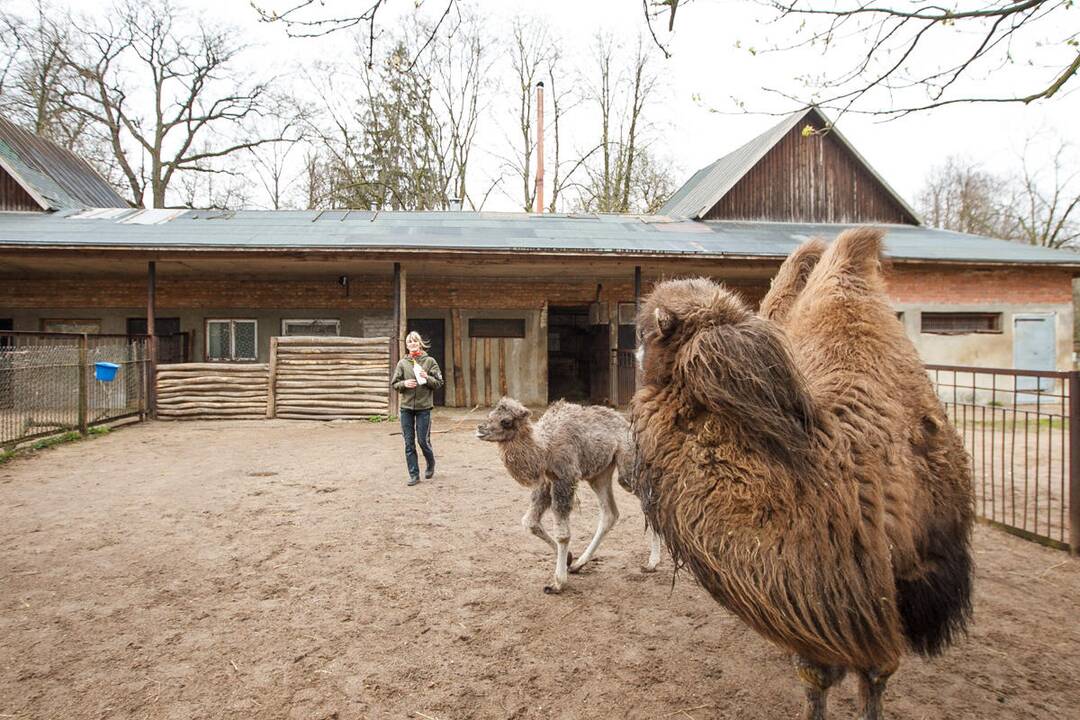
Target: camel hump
[(858, 250), (791, 279)]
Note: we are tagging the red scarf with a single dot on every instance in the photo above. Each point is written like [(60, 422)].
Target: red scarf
[(414, 355)]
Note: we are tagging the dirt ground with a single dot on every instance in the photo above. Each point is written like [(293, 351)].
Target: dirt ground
[(281, 569)]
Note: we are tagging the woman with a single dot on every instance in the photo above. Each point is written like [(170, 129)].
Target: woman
[(416, 378)]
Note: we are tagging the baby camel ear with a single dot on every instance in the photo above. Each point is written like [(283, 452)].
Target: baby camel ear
[(521, 412), (666, 322)]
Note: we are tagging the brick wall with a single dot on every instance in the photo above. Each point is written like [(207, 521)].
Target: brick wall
[(978, 287), (906, 284)]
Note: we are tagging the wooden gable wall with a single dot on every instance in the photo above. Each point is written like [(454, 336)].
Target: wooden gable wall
[(13, 197), (809, 179)]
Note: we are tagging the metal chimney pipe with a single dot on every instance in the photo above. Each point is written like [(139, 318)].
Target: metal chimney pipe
[(540, 146)]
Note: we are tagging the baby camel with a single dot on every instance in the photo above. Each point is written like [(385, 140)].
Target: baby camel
[(569, 443)]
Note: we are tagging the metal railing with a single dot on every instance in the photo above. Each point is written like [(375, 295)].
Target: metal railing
[(627, 369), (48, 385), (1018, 427)]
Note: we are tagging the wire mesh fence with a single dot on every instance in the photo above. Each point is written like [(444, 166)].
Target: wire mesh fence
[(48, 382), (1017, 426)]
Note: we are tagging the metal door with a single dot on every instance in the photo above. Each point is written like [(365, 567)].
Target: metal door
[(434, 331), (1034, 348)]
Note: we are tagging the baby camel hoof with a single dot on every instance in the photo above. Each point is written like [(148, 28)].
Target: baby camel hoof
[(551, 590), (647, 569)]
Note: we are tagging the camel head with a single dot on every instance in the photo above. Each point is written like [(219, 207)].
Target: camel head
[(702, 342), (504, 421)]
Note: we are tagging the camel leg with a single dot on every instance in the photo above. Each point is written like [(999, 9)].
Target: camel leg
[(540, 502), (609, 515), (562, 549), (871, 690), (816, 679), (654, 550)]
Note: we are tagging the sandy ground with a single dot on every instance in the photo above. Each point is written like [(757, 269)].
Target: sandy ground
[(283, 570)]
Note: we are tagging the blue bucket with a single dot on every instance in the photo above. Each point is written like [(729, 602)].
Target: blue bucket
[(105, 371)]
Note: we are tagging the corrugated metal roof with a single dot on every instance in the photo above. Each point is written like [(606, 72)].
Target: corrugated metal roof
[(708, 185), (56, 178), (352, 230)]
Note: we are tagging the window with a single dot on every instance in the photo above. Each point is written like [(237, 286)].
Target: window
[(960, 323), (627, 313), (7, 340), (331, 328), (235, 340), (497, 327), (91, 327)]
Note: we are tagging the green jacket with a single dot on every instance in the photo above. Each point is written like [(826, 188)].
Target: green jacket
[(421, 397)]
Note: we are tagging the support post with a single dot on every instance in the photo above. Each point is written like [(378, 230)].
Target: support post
[(459, 375), (84, 378), (1074, 463), (613, 354), (395, 342), (151, 311)]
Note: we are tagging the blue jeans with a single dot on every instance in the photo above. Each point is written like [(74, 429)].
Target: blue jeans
[(416, 427)]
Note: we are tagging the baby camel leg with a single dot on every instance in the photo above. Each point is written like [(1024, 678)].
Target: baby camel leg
[(816, 679), (871, 690), (654, 550), (539, 503), (609, 515), (562, 502)]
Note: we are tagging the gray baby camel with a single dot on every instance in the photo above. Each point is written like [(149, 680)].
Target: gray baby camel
[(569, 443)]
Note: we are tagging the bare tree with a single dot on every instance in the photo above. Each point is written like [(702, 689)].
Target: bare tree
[(896, 69), (311, 18), (959, 195), (1047, 207), (184, 116), (615, 173), (1040, 208), (401, 136)]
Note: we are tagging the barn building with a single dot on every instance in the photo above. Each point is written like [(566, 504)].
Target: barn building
[(537, 306)]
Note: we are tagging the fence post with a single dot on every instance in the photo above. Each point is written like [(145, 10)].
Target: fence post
[(83, 389), (1074, 462), (271, 380)]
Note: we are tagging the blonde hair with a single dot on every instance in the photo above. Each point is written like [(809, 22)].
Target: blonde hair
[(417, 337)]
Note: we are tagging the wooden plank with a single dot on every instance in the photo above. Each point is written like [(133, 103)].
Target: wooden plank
[(487, 372), (321, 341), (473, 372), (459, 376), (223, 367), (504, 360)]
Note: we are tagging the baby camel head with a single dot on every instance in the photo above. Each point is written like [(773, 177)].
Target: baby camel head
[(504, 421)]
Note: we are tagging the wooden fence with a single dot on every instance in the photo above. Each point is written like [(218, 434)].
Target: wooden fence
[(196, 391), (307, 378), (323, 378)]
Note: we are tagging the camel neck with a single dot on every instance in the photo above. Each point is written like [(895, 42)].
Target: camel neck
[(523, 456)]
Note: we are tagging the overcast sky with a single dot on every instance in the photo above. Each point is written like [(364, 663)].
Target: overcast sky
[(710, 65)]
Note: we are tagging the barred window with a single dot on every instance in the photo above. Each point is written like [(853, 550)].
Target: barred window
[(329, 328), (960, 323), (232, 340)]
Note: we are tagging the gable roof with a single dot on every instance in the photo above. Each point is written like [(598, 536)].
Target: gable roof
[(708, 185), (57, 179)]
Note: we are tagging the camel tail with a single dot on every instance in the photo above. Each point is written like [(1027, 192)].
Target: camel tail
[(936, 606)]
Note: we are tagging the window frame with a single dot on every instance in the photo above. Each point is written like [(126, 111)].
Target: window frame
[(72, 321), (523, 321), (997, 322), (310, 321), (232, 340)]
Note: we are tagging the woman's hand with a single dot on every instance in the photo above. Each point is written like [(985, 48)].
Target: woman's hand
[(410, 383)]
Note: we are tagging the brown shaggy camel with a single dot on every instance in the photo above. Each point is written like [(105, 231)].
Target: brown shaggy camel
[(570, 443), (800, 465)]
